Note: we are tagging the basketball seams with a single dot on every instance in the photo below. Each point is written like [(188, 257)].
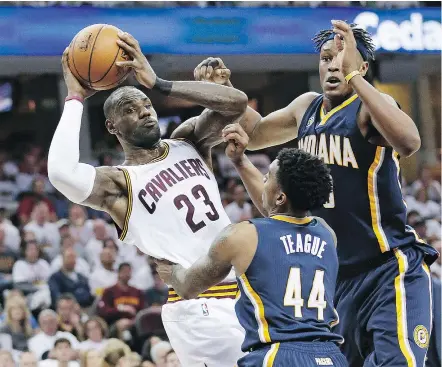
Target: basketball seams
[(109, 69), (92, 52), (72, 47)]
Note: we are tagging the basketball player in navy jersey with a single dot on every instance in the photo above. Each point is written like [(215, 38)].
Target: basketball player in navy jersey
[(384, 288), (286, 266)]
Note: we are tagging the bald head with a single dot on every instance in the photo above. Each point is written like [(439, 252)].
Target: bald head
[(119, 98)]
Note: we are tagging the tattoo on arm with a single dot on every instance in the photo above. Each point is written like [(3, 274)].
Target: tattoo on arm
[(208, 271)]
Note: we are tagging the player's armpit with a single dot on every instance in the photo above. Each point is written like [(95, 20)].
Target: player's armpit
[(280, 126), (110, 193)]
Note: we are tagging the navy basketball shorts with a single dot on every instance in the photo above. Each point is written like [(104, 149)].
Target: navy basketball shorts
[(295, 354), (386, 313)]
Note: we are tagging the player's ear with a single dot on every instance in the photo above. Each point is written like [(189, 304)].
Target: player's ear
[(110, 127), (281, 199), (364, 68)]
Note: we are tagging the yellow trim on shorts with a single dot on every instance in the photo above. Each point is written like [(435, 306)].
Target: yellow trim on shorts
[(374, 199), (401, 309), (255, 299), (129, 204), (271, 355)]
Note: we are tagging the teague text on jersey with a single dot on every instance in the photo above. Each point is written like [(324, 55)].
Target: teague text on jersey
[(167, 178), (304, 243), (333, 149)]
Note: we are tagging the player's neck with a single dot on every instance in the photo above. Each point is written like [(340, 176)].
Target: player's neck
[(137, 156), (329, 103), (289, 213)]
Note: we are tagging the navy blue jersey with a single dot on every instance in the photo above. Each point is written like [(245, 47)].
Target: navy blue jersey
[(366, 209), (287, 292)]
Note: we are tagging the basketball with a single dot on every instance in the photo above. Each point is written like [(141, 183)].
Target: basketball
[(92, 56)]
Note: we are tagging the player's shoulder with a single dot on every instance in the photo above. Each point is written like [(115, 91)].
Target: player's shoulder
[(327, 228), (306, 99)]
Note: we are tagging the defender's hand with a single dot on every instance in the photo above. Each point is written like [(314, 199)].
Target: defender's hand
[(213, 70), (75, 89), (165, 270), (143, 71), (348, 53), (237, 141)]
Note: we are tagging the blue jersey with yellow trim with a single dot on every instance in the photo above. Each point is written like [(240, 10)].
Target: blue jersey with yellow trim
[(287, 292), (366, 209)]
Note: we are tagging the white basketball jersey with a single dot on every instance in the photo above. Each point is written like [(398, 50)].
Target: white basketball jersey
[(175, 210)]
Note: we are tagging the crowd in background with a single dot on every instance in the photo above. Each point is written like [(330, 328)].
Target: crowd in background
[(71, 292)]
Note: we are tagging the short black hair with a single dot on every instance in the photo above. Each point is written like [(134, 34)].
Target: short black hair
[(62, 340), (111, 103), (122, 265), (304, 178), (361, 36)]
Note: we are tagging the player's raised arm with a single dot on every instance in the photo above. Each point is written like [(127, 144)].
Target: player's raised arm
[(233, 247), (251, 177), (79, 182), (277, 128), (395, 126)]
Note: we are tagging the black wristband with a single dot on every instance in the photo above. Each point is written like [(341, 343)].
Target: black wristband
[(163, 86)]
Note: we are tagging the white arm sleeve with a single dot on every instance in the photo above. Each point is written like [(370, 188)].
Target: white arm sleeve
[(73, 179)]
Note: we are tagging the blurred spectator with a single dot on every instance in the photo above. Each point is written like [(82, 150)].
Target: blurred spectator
[(28, 359), (425, 181), (6, 359), (142, 274), (46, 232), (28, 170), (92, 358), (114, 351), (31, 274), (68, 280), (28, 201), (12, 234), (8, 192), (7, 260), (157, 295), (62, 355), (239, 209), (81, 265), (96, 333), (121, 302), (96, 243), (80, 226), (16, 293), (425, 207), (17, 323), (68, 318), (159, 352), (103, 276), (44, 341), (31, 269), (428, 229), (172, 359)]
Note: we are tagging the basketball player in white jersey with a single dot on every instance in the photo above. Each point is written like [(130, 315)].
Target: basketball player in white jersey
[(164, 198)]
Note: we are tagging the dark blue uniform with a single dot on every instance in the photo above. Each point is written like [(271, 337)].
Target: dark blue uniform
[(383, 290), (286, 295)]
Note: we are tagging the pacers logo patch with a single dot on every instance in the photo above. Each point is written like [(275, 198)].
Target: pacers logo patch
[(421, 337), (310, 121)]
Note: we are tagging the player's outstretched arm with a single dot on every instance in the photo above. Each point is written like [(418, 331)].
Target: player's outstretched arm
[(251, 177), (277, 128), (395, 126), (79, 182), (234, 246)]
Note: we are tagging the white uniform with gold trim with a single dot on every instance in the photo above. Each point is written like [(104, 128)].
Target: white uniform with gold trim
[(175, 213)]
